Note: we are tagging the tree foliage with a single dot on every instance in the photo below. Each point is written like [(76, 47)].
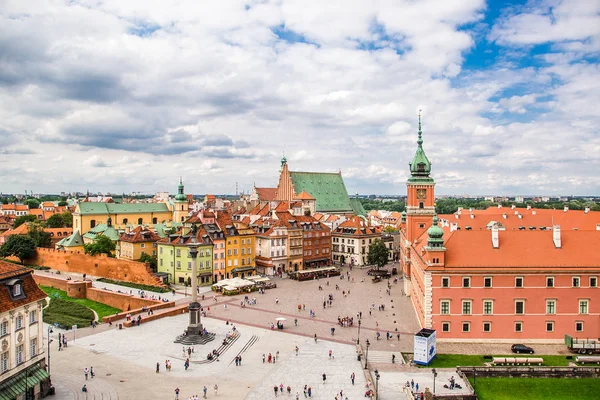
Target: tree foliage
[(60, 220), (371, 204), (62, 203), (39, 236), (24, 218), (32, 203), (378, 253), (390, 229), (102, 245), (20, 246), (147, 258)]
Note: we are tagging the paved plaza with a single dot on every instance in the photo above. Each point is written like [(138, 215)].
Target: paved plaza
[(125, 360)]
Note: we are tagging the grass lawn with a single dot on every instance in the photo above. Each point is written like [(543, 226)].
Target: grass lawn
[(537, 388), (463, 360), (65, 314), (146, 288), (101, 309)]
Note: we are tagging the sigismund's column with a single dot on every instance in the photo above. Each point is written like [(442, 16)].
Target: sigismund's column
[(195, 327)]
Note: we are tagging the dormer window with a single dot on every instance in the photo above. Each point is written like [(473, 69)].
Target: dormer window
[(16, 290)]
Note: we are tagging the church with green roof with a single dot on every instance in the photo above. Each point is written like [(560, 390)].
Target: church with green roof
[(327, 189)]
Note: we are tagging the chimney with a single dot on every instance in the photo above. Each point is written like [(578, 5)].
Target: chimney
[(456, 216), (566, 209), (520, 215), (533, 212), (495, 239), (586, 210), (513, 207), (499, 206), (556, 236), (528, 207), (453, 227), (504, 216), (472, 215)]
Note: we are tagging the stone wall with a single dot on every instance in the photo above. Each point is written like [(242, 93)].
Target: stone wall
[(100, 265), (121, 301), (56, 283)]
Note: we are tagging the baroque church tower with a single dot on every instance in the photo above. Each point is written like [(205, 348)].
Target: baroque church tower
[(180, 211), (420, 201)]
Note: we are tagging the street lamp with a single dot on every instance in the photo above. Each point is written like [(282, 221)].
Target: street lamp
[(367, 355), (49, 341), (358, 340), (434, 372), (376, 385)]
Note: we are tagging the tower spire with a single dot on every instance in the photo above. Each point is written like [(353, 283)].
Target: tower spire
[(420, 140)]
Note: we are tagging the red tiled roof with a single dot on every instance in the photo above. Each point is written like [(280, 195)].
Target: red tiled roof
[(360, 226), (304, 196), (266, 194), (139, 235), (30, 288)]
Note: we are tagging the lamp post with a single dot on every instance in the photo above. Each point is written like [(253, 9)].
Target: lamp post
[(434, 372), (376, 385), (367, 355), (358, 340), (49, 341)]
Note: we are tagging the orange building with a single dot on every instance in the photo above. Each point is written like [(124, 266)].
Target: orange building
[(499, 275)]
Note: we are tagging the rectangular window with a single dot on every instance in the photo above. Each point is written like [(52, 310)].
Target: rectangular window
[(19, 322), (178, 252), (550, 306), (487, 326), (33, 347), (178, 264), (466, 307), (445, 282), (3, 328), (235, 262), (190, 265), (583, 306), (593, 281), (487, 282), (143, 245), (466, 326), (488, 308), (549, 326), (161, 250), (19, 354), (4, 362), (445, 307), (519, 281), (575, 281), (161, 262), (466, 282), (243, 241), (579, 326), (445, 326), (229, 252), (549, 281), (33, 317), (519, 307), (235, 252), (518, 327)]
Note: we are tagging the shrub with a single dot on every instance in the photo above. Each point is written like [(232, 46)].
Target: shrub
[(65, 314)]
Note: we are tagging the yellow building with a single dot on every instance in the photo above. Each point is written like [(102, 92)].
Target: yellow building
[(88, 215), (135, 242), (239, 247)]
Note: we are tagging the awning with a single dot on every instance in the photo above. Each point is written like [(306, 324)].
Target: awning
[(15, 385), (242, 269)]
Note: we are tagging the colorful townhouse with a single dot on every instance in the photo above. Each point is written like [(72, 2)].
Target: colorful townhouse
[(134, 242), (174, 257), (351, 241), (207, 220), (239, 246)]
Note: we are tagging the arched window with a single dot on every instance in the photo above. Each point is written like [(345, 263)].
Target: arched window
[(182, 219), (140, 221), (92, 223), (124, 221), (155, 220)]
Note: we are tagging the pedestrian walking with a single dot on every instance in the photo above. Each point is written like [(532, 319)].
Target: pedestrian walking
[(330, 354), (216, 389), (263, 358), (296, 321), (275, 390), (352, 376), (324, 378), (204, 390), (157, 368), (305, 390), (176, 393), (309, 392), (92, 374), (86, 371)]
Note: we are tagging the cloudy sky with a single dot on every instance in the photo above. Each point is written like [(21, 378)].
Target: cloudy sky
[(115, 95)]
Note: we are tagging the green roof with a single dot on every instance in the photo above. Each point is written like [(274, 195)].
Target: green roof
[(357, 206), (102, 229), (88, 208), (72, 241), (327, 188)]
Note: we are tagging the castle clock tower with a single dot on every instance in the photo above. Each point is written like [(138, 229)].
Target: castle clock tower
[(180, 211), (420, 201)]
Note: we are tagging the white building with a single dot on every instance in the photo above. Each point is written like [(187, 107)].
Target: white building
[(22, 356)]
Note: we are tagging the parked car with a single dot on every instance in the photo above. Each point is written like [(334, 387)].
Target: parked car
[(521, 348)]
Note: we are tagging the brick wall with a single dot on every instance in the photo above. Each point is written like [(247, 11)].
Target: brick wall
[(147, 318), (100, 265), (119, 300), (56, 283)]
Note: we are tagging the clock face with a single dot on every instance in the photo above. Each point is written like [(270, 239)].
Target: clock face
[(421, 194)]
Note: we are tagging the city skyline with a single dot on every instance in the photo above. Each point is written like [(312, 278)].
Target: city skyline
[(113, 96)]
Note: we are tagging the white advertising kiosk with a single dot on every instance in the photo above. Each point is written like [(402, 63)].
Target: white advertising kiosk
[(425, 346)]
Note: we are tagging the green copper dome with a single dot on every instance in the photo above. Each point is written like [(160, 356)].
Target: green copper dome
[(420, 167), (435, 234), (180, 195)]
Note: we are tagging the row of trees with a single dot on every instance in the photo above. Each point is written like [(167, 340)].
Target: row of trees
[(61, 220), (371, 204), (33, 202)]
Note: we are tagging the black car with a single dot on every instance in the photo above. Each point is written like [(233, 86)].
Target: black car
[(521, 348)]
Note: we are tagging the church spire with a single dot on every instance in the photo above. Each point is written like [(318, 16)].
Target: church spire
[(420, 167), (420, 140), (180, 195)]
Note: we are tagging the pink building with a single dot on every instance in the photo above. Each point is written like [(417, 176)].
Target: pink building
[(489, 278)]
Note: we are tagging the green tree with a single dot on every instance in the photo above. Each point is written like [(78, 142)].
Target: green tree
[(32, 203), (102, 245), (55, 221), (24, 218), (390, 229), (20, 246), (39, 236), (62, 203), (378, 253), (67, 218), (147, 258)]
